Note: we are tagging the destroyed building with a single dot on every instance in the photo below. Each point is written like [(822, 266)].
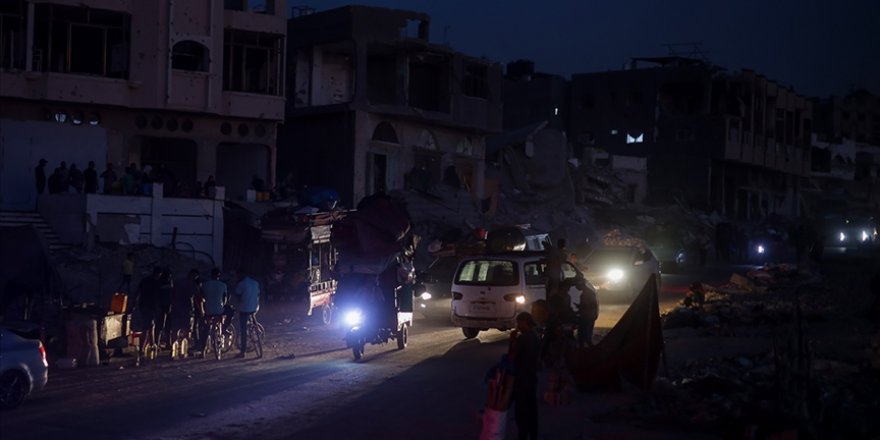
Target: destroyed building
[(845, 159), (685, 130), (373, 105), (195, 86), (531, 96)]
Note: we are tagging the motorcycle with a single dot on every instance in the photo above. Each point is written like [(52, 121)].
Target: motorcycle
[(375, 320)]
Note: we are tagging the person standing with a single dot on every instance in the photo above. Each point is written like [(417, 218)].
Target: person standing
[(588, 312), (527, 352), (64, 175), (210, 304), (182, 307), (56, 182), (74, 180), (109, 177), (166, 292), (90, 176), (147, 304), (247, 293), (556, 256), (40, 176)]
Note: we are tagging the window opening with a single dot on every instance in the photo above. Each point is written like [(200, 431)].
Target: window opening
[(252, 62), (189, 55)]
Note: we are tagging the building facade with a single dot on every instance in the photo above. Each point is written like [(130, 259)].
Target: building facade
[(195, 86), (371, 100), (737, 143)]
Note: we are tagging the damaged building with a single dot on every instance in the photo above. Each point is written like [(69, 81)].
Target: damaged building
[(373, 105), (845, 159), (196, 87), (685, 130)]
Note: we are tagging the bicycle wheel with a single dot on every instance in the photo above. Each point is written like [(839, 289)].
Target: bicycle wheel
[(217, 342), (255, 338)]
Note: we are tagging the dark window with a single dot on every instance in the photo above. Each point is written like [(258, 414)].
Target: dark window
[(475, 81), (259, 6), (385, 132), (252, 62), (588, 102), (12, 34), (845, 116), (81, 40), (189, 55)]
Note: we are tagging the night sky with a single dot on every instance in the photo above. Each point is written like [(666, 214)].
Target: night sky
[(821, 47)]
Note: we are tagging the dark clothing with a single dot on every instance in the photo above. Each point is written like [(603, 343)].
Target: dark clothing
[(526, 356), (91, 180), (555, 258), (525, 409), (56, 183), (148, 294), (40, 178), (243, 318), (75, 179), (185, 290), (109, 177)]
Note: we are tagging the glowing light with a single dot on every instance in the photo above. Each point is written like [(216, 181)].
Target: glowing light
[(615, 275), (425, 296), (760, 249), (520, 299), (354, 317), (842, 236)]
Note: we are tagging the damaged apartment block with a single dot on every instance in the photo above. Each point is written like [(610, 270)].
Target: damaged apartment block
[(374, 106)]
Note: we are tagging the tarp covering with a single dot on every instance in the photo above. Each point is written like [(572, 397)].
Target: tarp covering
[(376, 229), (630, 351)]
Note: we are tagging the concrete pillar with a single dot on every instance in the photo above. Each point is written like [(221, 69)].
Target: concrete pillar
[(317, 73)]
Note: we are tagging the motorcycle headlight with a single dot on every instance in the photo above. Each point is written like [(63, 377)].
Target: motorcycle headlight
[(761, 249), (353, 317), (425, 296), (615, 275)]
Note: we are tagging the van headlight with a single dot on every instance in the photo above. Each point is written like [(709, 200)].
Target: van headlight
[(520, 299), (615, 275), (353, 318)]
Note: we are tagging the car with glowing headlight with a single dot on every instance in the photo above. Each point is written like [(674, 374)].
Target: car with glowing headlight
[(851, 234), (620, 272), (488, 291)]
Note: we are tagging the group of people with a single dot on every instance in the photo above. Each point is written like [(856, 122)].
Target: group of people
[(529, 352), (172, 309), (132, 181), (64, 179)]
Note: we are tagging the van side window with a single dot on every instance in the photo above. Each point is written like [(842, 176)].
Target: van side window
[(534, 274)]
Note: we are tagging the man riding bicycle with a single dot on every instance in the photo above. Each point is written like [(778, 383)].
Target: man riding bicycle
[(247, 293), (212, 304)]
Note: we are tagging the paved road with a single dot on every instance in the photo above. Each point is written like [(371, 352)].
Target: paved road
[(431, 390)]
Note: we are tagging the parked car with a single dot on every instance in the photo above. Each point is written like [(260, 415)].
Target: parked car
[(620, 272), (23, 368), (488, 291)]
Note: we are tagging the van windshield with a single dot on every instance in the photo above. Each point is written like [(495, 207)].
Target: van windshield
[(488, 273)]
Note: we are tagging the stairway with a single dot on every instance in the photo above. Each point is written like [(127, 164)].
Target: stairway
[(11, 218)]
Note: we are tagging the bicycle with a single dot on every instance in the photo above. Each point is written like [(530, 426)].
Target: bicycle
[(255, 334), (221, 338)]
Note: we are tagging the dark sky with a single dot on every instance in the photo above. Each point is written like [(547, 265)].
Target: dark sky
[(821, 47)]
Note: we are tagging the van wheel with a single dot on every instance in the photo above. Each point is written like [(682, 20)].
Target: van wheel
[(470, 332), (14, 388)]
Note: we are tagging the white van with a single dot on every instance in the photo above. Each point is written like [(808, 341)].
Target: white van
[(488, 291)]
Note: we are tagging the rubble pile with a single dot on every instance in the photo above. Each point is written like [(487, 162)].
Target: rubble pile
[(776, 364)]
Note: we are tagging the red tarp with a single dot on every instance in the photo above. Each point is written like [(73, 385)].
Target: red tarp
[(630, 351)]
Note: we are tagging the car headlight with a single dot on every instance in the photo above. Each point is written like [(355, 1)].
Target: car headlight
[(615, 275), (353, 317), (425, 296), (864, 236), (520, 299), (842, 237)]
